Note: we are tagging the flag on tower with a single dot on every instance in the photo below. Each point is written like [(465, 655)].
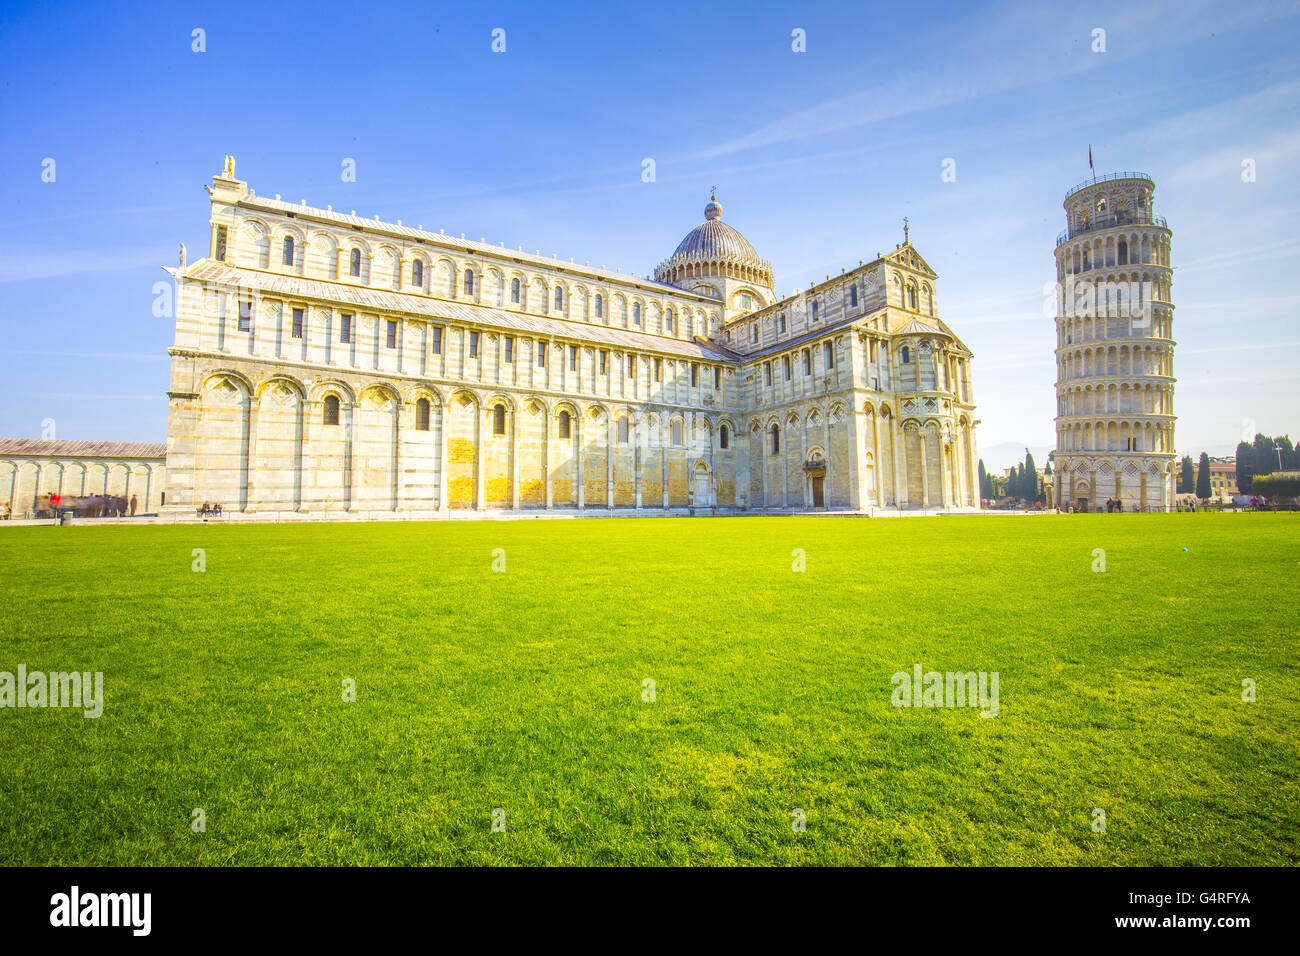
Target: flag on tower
[(1090, 166)]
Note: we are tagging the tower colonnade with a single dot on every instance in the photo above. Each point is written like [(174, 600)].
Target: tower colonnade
[(1114, 349)]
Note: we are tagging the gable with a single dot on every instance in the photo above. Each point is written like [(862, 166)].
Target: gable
[(909, 258)]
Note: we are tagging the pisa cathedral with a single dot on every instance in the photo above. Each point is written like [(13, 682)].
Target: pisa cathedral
[(1114, 349), (327, 364)]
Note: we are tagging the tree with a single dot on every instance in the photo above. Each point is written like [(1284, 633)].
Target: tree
[(986, 486), (1245, 467), (1203, 478), (1031, 477), (1187, 475), (1265, 455), (1288, 453)]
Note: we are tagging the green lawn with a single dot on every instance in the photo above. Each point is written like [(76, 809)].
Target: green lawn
[(523, 690)]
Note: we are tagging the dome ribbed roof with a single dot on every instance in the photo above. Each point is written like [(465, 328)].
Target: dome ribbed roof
[(714, 239), (714, 249)]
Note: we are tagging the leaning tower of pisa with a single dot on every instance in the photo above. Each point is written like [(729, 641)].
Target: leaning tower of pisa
[(1114, 349)]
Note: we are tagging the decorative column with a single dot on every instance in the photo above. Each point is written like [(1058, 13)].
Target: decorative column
[(399, 492), (254, 409), (443, 415), (354, 457), (826, 477), (514, 460), (636, 461), (785, 469), (878, 472), (951, 476), (304, 420), (609, 460), (581, 459), (478, 454), (900, 466), (663, 470), (546, 455), (925, 469)]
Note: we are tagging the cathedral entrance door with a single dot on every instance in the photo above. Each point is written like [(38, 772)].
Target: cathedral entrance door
[(701, 497), (819, 494)]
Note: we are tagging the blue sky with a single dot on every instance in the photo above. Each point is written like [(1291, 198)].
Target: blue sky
[(817, 157)]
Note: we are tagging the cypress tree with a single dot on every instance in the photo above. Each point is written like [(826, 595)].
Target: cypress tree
[(1187, 476), (1031, 477), (1203, 478), (1245, 467), (1265, 455)]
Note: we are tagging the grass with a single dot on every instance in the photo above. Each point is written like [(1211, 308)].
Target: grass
[(523, 690)]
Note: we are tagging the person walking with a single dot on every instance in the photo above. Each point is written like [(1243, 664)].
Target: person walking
[(133, 503)]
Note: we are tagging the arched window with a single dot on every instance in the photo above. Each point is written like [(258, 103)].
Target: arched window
[(422, 415), (559, 298), (417, 273), (288, 250), (469, 281), (514, 291), (498, 419), (677, 433), (776, 439), (354, 263), (907, 356), (331, 414), (1123, 252), (668, 321), (911, 297), (600, 305), (566, 425), (853, 296), (724, 437), (636, 313)]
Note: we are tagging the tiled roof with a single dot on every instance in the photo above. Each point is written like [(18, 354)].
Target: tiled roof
[(46, 448), (383, 300)]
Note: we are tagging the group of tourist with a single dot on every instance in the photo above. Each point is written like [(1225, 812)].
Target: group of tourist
[(1113, 505), (84, 506), (210, 509)]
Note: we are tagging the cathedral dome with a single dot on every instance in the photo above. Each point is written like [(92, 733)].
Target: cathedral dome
[(714, 248), (714, 239)]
